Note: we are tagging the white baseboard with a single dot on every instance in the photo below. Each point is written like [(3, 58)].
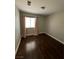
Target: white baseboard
[(55, 38), (39, 33), (17, 46), (52, 37)]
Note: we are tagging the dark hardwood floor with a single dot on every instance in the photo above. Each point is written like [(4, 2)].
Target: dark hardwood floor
[(40, 47)]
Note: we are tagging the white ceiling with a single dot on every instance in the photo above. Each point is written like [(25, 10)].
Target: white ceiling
[(51, 6)]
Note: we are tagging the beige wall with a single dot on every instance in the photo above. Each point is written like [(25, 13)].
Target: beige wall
[(55, 25), (17, 28), (41, 22)]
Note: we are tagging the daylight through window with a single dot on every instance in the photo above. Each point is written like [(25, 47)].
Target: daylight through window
[(30, 22)]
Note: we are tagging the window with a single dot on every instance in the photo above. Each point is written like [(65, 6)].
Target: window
[(30, 22)]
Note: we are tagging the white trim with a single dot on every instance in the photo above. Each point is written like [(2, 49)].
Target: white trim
[(39, 33), (52, 37), (17, 46), (55, 38)]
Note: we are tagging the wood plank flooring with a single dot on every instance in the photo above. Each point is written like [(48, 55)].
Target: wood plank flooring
[(40, 47)]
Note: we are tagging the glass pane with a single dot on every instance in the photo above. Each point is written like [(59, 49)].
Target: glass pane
[(33, 20), (30, 22), (27, 22), (27, 25), (27, 19)]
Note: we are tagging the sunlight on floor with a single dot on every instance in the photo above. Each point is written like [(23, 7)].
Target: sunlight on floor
[(30, 46)]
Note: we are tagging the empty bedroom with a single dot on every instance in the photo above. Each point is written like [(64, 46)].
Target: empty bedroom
[(39, 29)]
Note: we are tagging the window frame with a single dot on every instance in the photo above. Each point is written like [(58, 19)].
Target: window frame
[(30, 22)]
